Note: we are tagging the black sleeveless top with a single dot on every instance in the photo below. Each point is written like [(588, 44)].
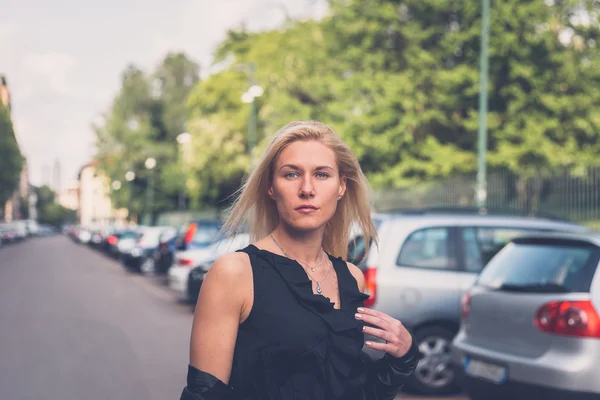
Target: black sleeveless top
[(294, 343)]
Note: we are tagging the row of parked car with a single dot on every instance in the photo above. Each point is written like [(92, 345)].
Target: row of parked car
[(182, 254), (17, 231), (500, 306)]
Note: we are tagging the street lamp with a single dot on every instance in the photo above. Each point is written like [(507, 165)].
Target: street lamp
[(130, 176), (183, 139), (150, 164), (116, 185), (249, 97)]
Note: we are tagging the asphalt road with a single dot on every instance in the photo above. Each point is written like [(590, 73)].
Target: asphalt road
[(75, 325)]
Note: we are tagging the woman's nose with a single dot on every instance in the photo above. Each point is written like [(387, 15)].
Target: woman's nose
[(307, 189)]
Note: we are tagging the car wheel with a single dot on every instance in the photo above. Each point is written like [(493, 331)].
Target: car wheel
[(434, 374), (148, 267)]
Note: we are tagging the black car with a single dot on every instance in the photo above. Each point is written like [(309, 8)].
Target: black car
[(142, 257), (195, 234), (195, 280)]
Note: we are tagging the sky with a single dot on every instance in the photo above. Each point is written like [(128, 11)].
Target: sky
[(63, 59)]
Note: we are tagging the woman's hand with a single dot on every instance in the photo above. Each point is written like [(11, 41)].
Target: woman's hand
[(397, 339)]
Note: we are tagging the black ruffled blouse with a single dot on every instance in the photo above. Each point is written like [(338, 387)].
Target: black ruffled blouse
[(295, 345)]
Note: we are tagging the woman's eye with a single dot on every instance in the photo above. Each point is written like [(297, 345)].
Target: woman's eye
[(291, 175), (322, 175)]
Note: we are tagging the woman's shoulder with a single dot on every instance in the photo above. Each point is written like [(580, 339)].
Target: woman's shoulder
[(230, 267)]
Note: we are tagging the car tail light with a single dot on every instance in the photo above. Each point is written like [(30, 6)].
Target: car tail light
[(571, 318), (112, 240), (184, 262), (370, 285), (189, 235), (465, 305)]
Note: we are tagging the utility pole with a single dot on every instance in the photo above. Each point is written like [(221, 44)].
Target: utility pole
[(150, 164), (481, 191)]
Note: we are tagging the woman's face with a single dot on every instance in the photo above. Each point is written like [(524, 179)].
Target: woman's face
[(306, 185)]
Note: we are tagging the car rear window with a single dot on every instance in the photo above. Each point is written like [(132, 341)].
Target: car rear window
[(542, 266), (356, 247), (130, 235), (205, 234)]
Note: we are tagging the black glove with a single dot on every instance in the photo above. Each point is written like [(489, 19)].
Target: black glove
[(204, 386), (389, 374)]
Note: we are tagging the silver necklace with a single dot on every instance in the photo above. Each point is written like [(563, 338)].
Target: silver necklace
[(301, 262), (319, 290)]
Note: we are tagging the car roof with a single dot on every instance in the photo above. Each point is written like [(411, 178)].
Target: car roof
[(591, 237), (466, 216)]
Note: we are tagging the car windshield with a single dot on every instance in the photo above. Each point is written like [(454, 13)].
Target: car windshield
[(129, 235), (205, 234), (150, 236), (542, 267)]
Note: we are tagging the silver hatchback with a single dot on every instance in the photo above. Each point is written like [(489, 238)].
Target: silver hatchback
[(425, 261), (531, 322)]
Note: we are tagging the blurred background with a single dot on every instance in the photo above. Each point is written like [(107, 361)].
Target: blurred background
[(127, 126)]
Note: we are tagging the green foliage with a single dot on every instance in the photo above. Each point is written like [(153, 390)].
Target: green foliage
[(398, 79), (145, 118), (49, 212), (11, 160)]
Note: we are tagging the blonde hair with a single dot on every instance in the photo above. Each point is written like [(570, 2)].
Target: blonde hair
[(254, 206)]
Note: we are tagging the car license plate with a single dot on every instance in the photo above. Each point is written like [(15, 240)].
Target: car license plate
[(484, 370)]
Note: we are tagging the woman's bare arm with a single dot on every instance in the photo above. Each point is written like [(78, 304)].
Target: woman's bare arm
[(223, 297)]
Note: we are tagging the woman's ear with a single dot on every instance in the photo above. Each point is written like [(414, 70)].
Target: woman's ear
[(271, 193), (342, 189)]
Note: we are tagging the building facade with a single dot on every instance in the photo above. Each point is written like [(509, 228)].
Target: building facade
[(69, 196), (94, 203)]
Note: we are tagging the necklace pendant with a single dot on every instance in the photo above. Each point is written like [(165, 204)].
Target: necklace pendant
[(312, 269), (319, 288)]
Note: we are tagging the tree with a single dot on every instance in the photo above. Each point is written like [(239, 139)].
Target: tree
[(144, 121), (400, 82), (49, 212), (11, 160)]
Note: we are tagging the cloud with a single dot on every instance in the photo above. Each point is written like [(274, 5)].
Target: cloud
[(51, 70), (8, 32)]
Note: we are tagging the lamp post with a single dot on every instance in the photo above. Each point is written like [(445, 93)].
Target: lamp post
[(481, 190), (129, 177), (183, 139), (249, 97), (150, 164)]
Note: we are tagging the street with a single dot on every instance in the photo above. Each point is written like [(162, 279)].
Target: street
[(75, 325)]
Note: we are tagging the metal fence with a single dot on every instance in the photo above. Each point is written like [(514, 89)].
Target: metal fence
[(564, 194)]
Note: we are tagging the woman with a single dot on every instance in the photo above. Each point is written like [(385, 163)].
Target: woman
[(282, 319)]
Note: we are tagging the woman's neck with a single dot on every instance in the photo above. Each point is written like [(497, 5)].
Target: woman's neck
[(303, 246)]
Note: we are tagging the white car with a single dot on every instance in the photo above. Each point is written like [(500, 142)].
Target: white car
[(187, 260)]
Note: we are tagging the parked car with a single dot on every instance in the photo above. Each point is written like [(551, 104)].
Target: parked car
[(7, 233), (425, 261), (141, 258), (127, 241), (531, 322), (188, 260), (193, 235)]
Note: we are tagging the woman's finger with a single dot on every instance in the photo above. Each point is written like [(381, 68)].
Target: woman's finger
[(386, 347), (369, 319), (375, 313), (380, 333)]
